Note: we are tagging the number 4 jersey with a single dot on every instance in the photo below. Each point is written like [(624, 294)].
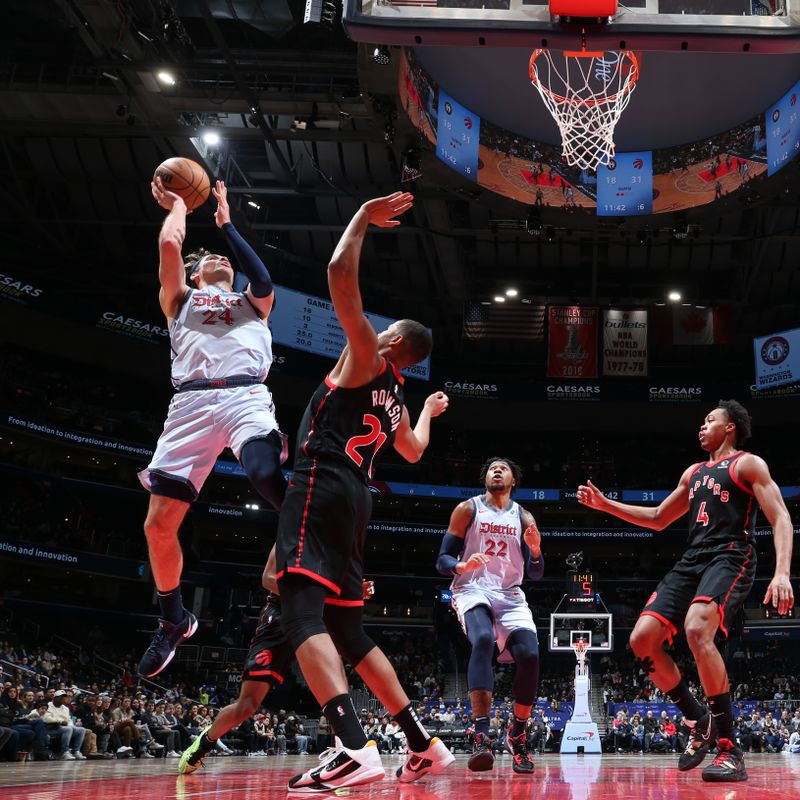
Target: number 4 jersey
[(217, 334), (497, 533), (351, 425)]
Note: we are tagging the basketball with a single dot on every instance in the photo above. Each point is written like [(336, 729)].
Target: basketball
[(186, 178)]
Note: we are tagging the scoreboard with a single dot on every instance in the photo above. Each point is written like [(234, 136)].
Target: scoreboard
[(625, 185), (783, 130), (457, 136), (309, 323), (580, 586)]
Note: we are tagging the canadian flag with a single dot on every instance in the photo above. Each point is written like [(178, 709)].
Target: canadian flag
[(693, 325)]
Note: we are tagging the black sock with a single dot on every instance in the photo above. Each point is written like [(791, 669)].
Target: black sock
[(686, 701), (482, 725), (171, 603), (517, 727), (722, 712), (344, 721), (207, 744), (416, 736)]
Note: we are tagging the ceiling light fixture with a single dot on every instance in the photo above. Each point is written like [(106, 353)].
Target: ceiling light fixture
[(167, 78), (674, 297)]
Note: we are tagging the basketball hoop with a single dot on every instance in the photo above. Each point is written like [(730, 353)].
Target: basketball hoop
[(586, 96), (580, 646)]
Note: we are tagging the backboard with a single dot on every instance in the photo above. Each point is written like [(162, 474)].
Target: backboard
[(769, 26), (566, 628)]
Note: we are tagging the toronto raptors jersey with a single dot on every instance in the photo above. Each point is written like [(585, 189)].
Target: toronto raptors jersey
[(721, 508), (217, 334), (352, 425), (498, 533)]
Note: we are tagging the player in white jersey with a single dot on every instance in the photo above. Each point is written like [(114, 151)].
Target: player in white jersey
[(491, 544), (221, 354)]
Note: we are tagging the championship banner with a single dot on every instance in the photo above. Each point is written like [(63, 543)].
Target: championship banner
[(571, 342), (624, 342), (777, 359)]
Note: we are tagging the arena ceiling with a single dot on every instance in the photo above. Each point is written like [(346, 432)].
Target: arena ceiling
[(310, 128)]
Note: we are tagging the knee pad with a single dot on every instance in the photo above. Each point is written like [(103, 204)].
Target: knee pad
[(347, 631), (302, 603)]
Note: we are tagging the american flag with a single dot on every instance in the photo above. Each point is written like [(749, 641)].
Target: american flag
[(504, 321)]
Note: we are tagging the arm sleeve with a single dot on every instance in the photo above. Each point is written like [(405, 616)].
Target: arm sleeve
[(248, 261), (534, 567), (448, 554)]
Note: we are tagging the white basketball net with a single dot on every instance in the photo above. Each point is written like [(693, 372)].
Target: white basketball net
[(586, 93), (580, 646)]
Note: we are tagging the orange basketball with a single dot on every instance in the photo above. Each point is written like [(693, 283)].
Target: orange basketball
[(186, 178)]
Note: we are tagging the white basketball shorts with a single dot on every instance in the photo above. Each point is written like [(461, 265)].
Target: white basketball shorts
[(509, 610), (201, 424)]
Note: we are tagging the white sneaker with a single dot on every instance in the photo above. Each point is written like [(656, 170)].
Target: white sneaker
[(79, 756), (173, 754), (435, 758), (154, 745), (145, 754), (342, 768), (124, 751), (67, 756)]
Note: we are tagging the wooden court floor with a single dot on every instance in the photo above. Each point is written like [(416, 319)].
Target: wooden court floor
[(617, 777)]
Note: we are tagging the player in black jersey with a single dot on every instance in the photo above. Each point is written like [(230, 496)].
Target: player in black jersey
[(708, 585), (268, 660), (354, 413)]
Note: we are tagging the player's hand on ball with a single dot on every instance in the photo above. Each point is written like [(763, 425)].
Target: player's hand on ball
[(781, 594), (475, 561), (533, 539), (223, 213), (368, 588), (381, 210), (437, 403), (590, 496), (164, 198)]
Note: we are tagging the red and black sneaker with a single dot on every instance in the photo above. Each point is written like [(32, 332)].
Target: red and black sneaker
[(728, 766), (701, 738), (482, 757), (518, 747)]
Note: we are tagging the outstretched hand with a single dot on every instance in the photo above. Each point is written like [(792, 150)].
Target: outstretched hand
[(163, 197), (437, 403), (590, 496), (475, 561), (381, 210), (223, 213)]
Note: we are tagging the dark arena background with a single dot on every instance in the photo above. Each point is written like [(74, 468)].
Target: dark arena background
[(584, 324)]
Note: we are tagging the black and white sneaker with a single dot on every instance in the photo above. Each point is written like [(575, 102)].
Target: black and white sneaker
[(435, 758), (701, 739), (728, 766), (482, 758), (165, 643), (341, 768), (518, 747)]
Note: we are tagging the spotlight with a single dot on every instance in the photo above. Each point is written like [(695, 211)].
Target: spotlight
[(511, 292), (674, 297), (498, 298), (167, 78), (253, 204), (211, 138), (381, 55)]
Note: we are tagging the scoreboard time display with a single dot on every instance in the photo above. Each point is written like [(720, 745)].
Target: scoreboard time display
[(580, 586)]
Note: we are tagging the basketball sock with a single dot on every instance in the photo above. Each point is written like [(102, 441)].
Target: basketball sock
[(171, 604), (517, 727), (344, 721), (686, 701), (416, 736), (482, 725), (207, 744), (722, 712)]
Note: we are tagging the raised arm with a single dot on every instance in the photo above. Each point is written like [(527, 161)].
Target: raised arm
[(754, 470), (655, 517), (259, 291), (362, 361), (411, 444), (171, 273)]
